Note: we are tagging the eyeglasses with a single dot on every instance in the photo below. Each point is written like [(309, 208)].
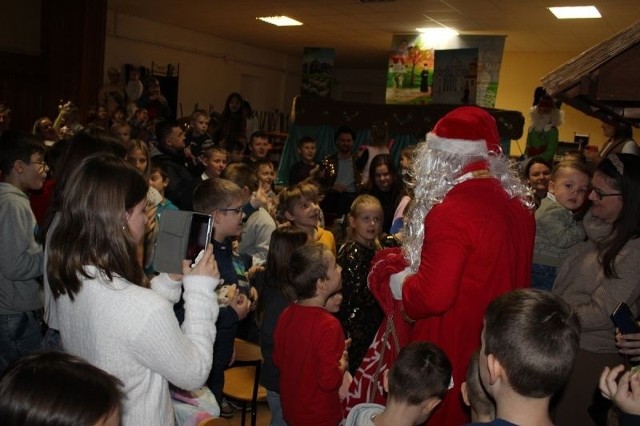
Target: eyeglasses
[(237, 210), (600, 194), (42, 164)]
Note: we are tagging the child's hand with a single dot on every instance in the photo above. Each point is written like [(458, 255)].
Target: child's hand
[(253, 297), (254, 270), (625, 393), (189, 156), (152, 221), (344, 387), (344, 361), (333, 303), (259, 198), (241, 304), (629, 344)]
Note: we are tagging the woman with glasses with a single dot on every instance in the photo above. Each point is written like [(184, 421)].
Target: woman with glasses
[(601, 272)]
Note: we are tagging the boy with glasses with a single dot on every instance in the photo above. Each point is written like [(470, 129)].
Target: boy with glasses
[(222, 199), (21, 261)]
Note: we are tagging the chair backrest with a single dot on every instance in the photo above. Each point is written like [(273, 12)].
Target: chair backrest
[(247, 351)]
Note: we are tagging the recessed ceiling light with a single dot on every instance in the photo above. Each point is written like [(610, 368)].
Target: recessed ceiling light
[(434, 38), (575, 12), (280, 21), (438, 32)]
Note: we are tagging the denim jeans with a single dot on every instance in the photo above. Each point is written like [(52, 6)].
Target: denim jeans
[(20, 334), (273, 400), (543, 276)]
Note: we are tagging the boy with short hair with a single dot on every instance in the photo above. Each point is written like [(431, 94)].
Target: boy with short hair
[(21, 259), (416, 384), (309, 345), (214, 160), (307, 166), (298, 205), (474, 395), (222, 199), (159, 179), (197, 136), (258, 147), (122, 131), (529, 344)]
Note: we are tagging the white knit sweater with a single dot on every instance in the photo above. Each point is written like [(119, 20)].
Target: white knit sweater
[(132, 333)]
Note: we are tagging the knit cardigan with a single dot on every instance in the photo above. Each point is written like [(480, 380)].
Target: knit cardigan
[(581, 283)]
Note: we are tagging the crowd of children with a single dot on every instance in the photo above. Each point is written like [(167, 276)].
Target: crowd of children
[(274, 273)]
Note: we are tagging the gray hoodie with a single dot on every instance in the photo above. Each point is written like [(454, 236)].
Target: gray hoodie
[(363, 414), (21, 260)]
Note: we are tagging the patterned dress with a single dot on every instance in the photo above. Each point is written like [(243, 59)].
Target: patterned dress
[(360, 313)]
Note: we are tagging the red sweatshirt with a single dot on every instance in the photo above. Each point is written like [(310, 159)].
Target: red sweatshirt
[(308, 346)]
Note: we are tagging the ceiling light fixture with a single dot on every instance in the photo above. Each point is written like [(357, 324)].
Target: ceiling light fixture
[(436, 38), (438, 32), (280, 21), (575, 12)]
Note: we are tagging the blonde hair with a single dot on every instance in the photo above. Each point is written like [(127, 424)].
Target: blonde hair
[(288, 197), (207, 153), (137, 144), (356, 207)]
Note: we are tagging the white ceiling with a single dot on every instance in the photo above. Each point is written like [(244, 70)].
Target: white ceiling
[(361, 30)]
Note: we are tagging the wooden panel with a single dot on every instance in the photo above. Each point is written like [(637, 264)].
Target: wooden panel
[(618, 79)]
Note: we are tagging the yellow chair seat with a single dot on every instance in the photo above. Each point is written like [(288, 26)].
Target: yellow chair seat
[(238, 384), (241, 380)]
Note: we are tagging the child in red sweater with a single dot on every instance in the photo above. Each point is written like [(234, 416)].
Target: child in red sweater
[(309, 346)]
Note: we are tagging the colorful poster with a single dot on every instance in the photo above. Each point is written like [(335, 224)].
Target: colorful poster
[(410, 71), (411, 66), (455, 76), (490, 50), (317, 71)]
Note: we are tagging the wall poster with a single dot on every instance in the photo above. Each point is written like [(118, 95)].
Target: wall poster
[(411, 69), (317, 71)]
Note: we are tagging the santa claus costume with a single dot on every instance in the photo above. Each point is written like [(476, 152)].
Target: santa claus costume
[(468, 239)]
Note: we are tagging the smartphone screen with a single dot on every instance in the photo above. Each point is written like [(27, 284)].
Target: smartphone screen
[(624, 319), (199, 235)]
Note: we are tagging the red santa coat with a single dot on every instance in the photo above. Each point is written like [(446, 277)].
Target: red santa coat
[(478, 244)]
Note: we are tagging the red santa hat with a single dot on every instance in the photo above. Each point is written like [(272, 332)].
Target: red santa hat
[(468, 130)]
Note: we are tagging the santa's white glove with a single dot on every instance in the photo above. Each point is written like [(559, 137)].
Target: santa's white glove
[(396, 281)]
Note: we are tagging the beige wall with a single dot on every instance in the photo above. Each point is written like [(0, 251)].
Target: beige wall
[(519, 75), (210, 68)]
